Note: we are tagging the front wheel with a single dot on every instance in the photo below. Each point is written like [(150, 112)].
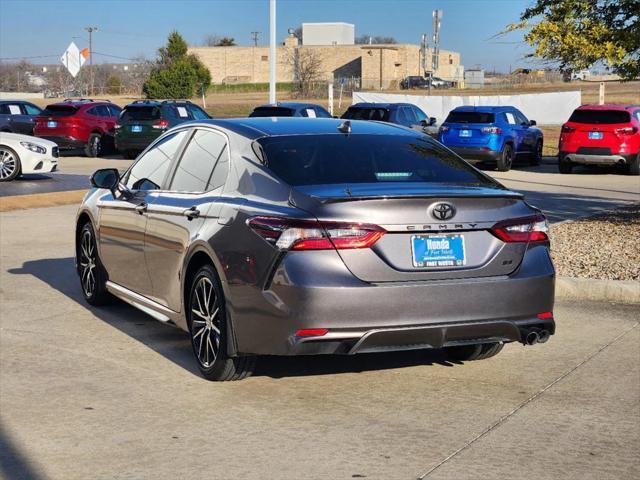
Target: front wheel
[(565, 165), (506, 158), (536, 159), (93, 277), (206, 317), (94, 145), (634, 166), (9, 164), (480, 351)]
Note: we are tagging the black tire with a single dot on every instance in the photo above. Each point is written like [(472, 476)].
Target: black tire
[(93, 148), (536, 158), (208, 330), (565, 165), (10, 166), (93, 276), (506, 158), (634, 167), (467, 353)]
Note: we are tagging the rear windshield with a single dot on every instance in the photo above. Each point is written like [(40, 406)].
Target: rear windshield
[(272, 112), (59, 111), (337, 159), (381, 114), (470, 117), (140, 113), (600, 116)]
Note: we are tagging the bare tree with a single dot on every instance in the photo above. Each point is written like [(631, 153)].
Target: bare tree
[(211, 40), (375, 40), (307, 69)]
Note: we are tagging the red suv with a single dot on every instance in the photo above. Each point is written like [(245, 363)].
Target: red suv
[(601, 135), (86, 124)]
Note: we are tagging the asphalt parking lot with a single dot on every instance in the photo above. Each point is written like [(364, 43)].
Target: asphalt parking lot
[(111, 393)]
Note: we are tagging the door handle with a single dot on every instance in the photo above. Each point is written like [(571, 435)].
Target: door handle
[(142, 208), (191, 213)]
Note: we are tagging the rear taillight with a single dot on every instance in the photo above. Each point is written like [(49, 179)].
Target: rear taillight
[(294, 234), (627, 130), (161, 124), (567, 129), (526, 229), (443, 129), (496, 130), (117, 126)]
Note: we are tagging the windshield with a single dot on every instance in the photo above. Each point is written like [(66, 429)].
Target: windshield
[(470, 117), (337, 159), (356, 113), (59, 111), (272, 112), (140, 113), (600, 116)]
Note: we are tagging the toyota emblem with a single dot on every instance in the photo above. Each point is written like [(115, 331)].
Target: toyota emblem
[(443, 211)]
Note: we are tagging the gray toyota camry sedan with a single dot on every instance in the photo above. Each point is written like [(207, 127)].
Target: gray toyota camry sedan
[(295, 236)]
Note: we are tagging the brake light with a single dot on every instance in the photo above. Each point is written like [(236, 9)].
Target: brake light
[(294, 234), (567, 129), (312, 332), (545, 315), (526, 229), (444, 129), (627, 130), (496, 130), (161, 124)]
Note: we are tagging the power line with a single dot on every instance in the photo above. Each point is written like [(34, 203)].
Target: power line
[(29, 58)]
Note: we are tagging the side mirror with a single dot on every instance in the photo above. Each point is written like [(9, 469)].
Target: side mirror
[(532, 123), (432, 121), (106, 178), (424, 123)]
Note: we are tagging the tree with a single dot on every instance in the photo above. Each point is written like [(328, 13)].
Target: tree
[(580, 33), (375, 40), (211, 40), (226, 42), (114, 85), (306, 65), (177, 73)]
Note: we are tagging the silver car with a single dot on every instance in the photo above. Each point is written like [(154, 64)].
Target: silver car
[(294, 236)]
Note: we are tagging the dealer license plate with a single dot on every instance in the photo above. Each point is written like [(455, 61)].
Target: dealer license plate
[(51, 124), (438, 250), (595, 135), (136, 128), (465, 133)]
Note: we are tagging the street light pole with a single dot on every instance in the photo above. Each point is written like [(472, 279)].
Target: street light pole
[(91, 30), (272, 51)]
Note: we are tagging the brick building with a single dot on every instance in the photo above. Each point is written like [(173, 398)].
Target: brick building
[(374, 66)]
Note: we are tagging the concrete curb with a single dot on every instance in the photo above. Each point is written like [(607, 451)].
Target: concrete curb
[(616, 291)]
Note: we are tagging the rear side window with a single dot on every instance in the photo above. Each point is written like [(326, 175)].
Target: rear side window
[(198, 113), (140, 113), (60, 111), (345, 159), (31, 109), (272, 112), (381, 114), (114, 111), (201, 159), (600, 116), (470, 117)]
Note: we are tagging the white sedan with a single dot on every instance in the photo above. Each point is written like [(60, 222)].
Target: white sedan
[(21, 154)]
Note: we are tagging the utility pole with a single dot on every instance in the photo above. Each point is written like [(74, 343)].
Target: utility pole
[(91, 30), (255, 36), (272, 52)]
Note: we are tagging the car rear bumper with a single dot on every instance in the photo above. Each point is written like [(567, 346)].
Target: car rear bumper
[(138, 144), (591, 159), (477, 153), (65, 143), (364, 317)]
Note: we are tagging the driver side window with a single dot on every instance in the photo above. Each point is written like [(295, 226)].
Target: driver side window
[(149, 172)]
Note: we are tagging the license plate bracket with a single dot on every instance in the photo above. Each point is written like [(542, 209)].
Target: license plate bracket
[(136, 128), (595, 135), (438, 250), (465, 133), (52, 124)]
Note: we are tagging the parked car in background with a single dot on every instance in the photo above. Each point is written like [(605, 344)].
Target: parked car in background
[(79, 124), (404, 114), (291, 109), (601, 135), (18, 116), (20, 154), (416, 81), (320, 240), (142, 121), (494, 134)]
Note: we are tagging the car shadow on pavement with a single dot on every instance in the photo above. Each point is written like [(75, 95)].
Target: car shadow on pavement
[(13, 464), (173, 344)]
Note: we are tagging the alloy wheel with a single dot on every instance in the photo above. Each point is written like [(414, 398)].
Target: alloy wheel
[(8, 164), (88, 264), (95, 145), (205, 322)]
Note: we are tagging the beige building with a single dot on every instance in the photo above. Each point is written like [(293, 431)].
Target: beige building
[(378, 66)]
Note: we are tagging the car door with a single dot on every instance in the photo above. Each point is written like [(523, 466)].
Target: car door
[(123, 220), (515, 130), (529, 134), (175, 216), (27, 118)]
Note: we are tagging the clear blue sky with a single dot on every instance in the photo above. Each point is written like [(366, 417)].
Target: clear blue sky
[(30, 28)]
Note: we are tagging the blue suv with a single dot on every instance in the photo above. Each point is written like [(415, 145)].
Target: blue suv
[(494, 134)]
